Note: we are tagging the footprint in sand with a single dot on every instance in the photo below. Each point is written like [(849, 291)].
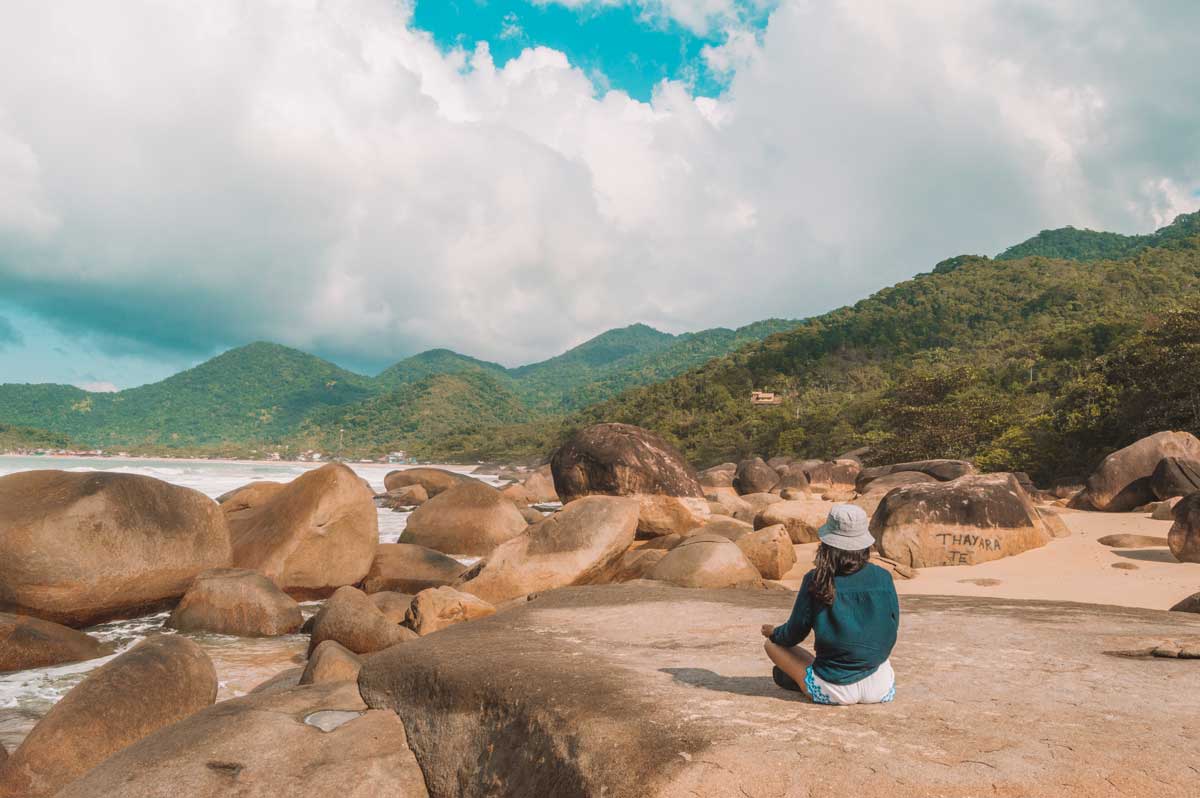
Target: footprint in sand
[(980, 582), (1125, 566)]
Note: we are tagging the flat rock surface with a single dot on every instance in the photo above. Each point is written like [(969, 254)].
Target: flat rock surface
[(641, 689)]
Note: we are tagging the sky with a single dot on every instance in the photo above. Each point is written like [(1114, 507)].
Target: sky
[(367, 179)]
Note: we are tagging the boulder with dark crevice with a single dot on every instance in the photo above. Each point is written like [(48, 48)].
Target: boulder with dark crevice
[(1174, 477), (1122, 481)]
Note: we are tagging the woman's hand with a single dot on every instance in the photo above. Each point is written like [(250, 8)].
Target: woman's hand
[(767, 629)]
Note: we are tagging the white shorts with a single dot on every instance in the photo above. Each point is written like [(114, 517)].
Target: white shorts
[(878, 688)]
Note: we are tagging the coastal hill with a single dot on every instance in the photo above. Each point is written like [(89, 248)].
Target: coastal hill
[(1038, 364), (1060, 349), (265, 394)]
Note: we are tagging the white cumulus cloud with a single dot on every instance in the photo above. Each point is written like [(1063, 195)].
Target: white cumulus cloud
[(196, 175)]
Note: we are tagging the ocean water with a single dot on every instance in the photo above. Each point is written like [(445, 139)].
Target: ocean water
[(241, 663)]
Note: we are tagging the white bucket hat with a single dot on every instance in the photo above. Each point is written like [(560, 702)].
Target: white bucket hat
[(847, 528)]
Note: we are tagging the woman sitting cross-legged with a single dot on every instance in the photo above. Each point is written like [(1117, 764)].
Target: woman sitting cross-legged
[(850, 605)]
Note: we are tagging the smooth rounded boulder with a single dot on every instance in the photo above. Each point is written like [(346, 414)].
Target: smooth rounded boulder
[(801, 519), (717, 477), (316, 534), (160, 681), (403, 498), (301, 742), (1122, 480), (27, 642), (621, 460), (82, 548), (755, 476), (350, 618), (433, 480), (1184, 537), (706, 561), (966, 521), (434, 609), (247, 496), (836, 475), (936, 470), (792, 477), (394, 606), (769, 550), (568, 548), (408, 568), (469, 519), (537, 488), (331, 662), (670, 515), (236, 601), (1174, 477)]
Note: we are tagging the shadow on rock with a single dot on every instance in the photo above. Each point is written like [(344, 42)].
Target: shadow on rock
[(761, 686)]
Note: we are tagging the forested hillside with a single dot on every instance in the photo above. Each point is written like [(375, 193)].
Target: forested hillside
[(264, 396), (1032, 364)]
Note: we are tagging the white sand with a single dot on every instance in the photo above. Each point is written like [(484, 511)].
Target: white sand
[(1074, 568)]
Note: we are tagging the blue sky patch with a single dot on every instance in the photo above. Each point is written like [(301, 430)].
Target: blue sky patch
[(619, 46)]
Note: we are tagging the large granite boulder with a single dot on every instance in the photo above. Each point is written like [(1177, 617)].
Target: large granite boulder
[(801, 518), (350, 618), (718, 476), (792, 477), (316, 534), (835, 475), (82, 548), (394, 606), (537, 488), (236, 601), (939, 470), (159, 681), (438, 607), (331, 662), (706, 560), (755, 476), (248, 496), (669, 515), (301, 742), (433, 480), (469, 519), (621, 460), (1184, 537), (1122, 481), (404, 498), (570, 547), (769, 550), (726, 501), (648, 691), (1174, 477), (965, 521), (407, 568), (874, 491), (28, 642)]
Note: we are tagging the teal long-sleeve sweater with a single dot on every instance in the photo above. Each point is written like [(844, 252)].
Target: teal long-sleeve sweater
[(856, 634)]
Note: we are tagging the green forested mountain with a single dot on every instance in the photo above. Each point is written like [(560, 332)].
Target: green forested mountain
[(266, 395), (438, 406), (1084, 245), (1031, 364), (435, 361), (257, 392)]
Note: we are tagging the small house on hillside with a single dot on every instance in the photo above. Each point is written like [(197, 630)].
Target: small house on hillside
[(765, 398)]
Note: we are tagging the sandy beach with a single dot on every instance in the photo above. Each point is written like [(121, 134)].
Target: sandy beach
[(1074, 568)]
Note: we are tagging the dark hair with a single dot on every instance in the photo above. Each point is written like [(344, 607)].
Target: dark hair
[(833, 562)]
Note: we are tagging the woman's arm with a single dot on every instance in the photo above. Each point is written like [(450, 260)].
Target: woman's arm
[(799, 624)]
